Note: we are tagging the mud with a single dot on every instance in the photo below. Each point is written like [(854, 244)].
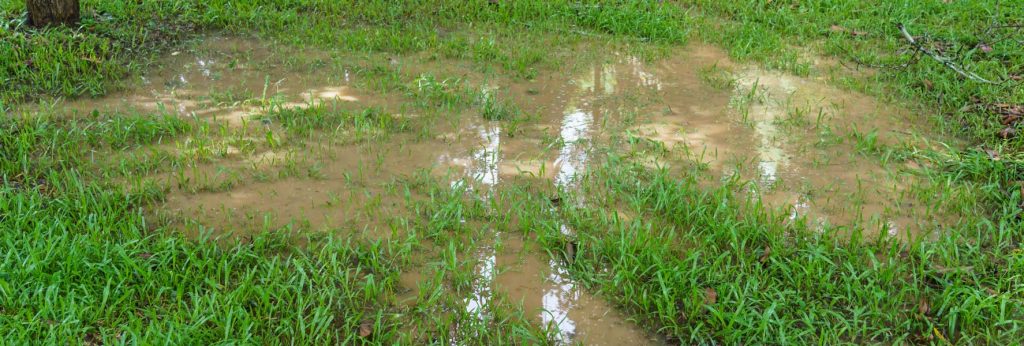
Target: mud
[(792, 137), (230, 80), (352, 195), (795, 138), (546, 291), (572, 117)]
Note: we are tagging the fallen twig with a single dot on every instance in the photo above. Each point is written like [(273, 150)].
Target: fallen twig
[(941, 59)]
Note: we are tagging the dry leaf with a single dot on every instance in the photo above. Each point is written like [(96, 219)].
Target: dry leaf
[(839, 29), (145, 255), (766, 254), (1007, 133), (681, 316), (984, 47), (556, 201), (1009, 119), (92, 339), (365, 328), (992, 154), (570, 251), (939, 335), (1008, 109), (710, 296), (928, 85), (923, 307)]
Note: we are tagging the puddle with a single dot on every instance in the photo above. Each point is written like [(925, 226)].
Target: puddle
[(230, 80), (793, 137), (316, 186), (349, 194), (544, 287), (789, 135)]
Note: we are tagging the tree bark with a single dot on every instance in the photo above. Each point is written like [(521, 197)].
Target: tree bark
[(50, 12)]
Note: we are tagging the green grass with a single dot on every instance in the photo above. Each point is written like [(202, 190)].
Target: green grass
[(778, 34), (322, 117), (774, 282), (86, 260), (120, 37), (82, 262)]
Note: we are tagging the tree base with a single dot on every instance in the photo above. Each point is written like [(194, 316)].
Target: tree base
[(52, 12)]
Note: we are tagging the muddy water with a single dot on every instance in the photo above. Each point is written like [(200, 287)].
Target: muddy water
[(571, 113), (231, 80), (790, 136), (794, 138), (351, 196)]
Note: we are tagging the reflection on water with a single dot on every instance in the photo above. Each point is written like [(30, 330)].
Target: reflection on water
[(572, 157), (196, 85), (644, 77), (765, 106), (488, 157), (482, 170), (205, 67), (575, 134), (558, 300), (562, 305), (559, 294), (792, 171), (477, 304)]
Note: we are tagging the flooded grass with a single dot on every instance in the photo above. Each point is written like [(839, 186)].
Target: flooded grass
[(488, 173)]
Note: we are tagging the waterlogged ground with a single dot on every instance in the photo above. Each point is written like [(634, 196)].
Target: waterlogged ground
[(269, 155)]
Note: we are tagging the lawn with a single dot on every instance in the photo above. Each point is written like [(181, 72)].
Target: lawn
[(93, 253)]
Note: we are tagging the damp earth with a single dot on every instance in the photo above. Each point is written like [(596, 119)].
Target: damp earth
[(274, 154)]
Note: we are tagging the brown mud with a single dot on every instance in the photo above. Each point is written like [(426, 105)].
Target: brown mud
[(799, 142), (806, 146)]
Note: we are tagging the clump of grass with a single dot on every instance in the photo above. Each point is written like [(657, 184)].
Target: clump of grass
[(37, 145), (327, 116), (109, 44), (113, 39), (775, 34), (89, 243), (447, 93), (717, 77), (702, 266), (246, 291), (230, 97), (492, 108)]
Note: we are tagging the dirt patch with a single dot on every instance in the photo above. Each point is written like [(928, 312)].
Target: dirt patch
[(231, 80), (807, 146), (549, 294)]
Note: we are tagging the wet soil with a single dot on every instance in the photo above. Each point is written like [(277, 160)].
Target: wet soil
[(806, 146), (801, 143)]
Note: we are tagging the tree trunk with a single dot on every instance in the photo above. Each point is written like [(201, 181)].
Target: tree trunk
[(49, 12)]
